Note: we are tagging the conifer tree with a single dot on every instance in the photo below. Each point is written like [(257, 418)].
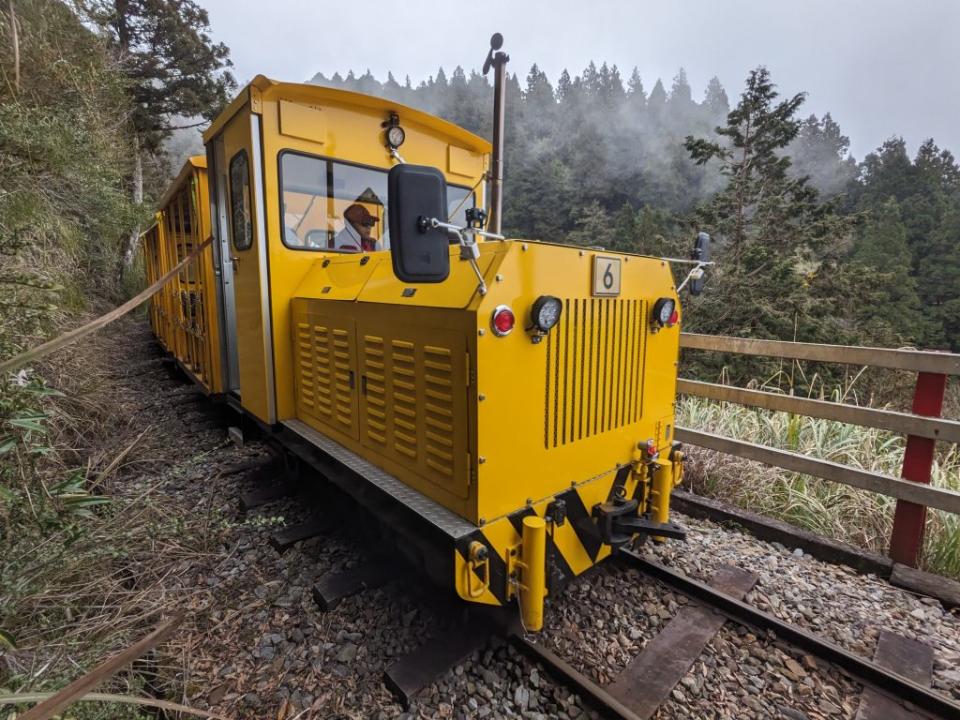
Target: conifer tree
[(888, 310), (939, 269), (680, 91), (778, 244), (716, 100), (635, 91), (658, 97), (174, 68), (821, 152)]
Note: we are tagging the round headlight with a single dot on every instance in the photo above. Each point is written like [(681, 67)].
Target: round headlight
[(395, 136), (545, 312), (663, 311)]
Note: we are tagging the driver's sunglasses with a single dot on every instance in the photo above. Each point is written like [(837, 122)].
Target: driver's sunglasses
[(369, 223)]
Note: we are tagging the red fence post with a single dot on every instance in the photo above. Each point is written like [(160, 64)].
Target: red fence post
[(909, 519)]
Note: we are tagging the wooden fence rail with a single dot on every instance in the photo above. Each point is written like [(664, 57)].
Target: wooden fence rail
[(923, 427)]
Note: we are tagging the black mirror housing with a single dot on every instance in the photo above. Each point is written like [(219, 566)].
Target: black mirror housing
[(416, 194), (701, 253)]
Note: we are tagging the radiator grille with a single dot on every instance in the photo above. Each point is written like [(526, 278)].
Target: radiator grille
[(594, 369)]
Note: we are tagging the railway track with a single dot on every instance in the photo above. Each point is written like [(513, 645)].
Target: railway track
[(895, 683)]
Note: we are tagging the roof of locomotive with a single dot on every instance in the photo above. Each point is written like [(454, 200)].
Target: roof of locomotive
[(320, 94)]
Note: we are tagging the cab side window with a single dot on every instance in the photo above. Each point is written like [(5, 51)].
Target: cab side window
[(241, 222)]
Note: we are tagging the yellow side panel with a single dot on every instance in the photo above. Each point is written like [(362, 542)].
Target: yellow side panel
[(339, 277), (213, 375), (184, 312), (353, 133), (302, 121), (391, 384), (253, 345), (455, 292), (463, 162)]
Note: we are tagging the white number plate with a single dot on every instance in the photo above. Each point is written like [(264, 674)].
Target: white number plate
[(606, 275)]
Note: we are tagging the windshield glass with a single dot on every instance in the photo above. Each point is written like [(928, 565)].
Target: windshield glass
[(329, 205)]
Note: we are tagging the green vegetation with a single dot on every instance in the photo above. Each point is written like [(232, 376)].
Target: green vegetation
[(70, 128), (176, 76), (830, 509), (781, 246)]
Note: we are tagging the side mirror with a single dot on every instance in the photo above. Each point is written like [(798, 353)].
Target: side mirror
[(701, 253), (416, 194)]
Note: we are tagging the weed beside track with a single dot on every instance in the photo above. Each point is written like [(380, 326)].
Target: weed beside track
[(854, 516)]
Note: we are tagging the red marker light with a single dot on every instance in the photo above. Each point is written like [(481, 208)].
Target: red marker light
[(503, 320)]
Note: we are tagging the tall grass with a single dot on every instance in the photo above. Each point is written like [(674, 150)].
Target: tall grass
[(831, 509)]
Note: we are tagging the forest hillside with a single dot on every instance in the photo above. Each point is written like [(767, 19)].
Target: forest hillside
[(843, 251)]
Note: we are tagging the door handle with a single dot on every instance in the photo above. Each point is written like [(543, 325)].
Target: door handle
[(233, 261)]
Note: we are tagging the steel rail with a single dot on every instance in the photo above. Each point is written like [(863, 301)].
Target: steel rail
[(598, 698), (865, 671)]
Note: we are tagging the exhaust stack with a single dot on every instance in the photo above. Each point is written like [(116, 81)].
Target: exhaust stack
[(498, 61)]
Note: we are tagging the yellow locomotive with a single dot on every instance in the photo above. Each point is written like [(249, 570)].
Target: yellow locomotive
[(504, 407)]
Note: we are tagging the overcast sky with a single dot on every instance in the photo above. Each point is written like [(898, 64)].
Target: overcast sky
[(880, 67)]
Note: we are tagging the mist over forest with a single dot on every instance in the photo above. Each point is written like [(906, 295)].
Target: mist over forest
[(826, 248), (634, 134)]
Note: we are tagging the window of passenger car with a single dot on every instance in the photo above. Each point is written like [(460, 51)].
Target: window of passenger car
[(241, 222), (318, 192)]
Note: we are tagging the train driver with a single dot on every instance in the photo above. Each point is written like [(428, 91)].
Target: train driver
[(356, 234)]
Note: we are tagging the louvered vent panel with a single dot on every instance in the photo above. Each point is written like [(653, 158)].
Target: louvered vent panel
[(413, 387), (376, 416), (594, 369), (305, 374), (325, 373), (438, 406), (339, 359), (324, 377), (404, 381)]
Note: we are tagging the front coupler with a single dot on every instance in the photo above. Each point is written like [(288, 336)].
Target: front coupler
[(619, 521)]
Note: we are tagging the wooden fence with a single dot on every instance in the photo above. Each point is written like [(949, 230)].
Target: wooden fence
[(923, 427)]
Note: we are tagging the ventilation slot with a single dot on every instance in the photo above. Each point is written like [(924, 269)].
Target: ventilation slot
[(438, 420), (404, 377), (305, 365), (375, 389), (594, 369)]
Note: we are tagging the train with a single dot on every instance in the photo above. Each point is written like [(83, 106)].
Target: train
[(503, 407)]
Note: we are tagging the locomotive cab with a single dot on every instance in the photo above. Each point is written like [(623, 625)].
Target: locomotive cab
[(504, 407)]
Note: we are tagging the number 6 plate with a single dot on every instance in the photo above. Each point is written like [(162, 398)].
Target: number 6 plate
[(606, 275)]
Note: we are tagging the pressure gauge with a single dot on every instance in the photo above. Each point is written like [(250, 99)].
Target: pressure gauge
[(395, 136)]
